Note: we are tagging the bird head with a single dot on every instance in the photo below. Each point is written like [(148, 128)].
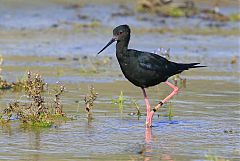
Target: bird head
[(120, 33)]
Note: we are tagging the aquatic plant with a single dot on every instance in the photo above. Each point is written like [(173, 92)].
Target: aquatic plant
[(170, 110), (57, 101), (26, 113), (179, 81), (34, 112), (89, 100), (18, 86), (120, 101), (3, 120), (34, 85), (212, 157), (167, 111), (28, 84), (136, 105), (4, 84)]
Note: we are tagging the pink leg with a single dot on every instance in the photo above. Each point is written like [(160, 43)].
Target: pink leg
[(174, 92), (148, 119)]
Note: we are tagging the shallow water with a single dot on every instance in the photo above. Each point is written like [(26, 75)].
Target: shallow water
[(202, 113), (206, 112)]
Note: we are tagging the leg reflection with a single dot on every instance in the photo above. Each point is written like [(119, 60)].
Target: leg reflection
[(148, 144), (148, 135)]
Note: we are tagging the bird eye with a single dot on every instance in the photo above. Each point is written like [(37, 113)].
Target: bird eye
[(119, 33)]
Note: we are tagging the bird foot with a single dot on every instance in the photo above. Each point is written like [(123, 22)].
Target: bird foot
[(148, 125), (149, 119)]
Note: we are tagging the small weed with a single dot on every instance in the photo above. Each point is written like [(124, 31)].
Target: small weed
[(34, 85), (212, 157), (120, 101), (3, 83), (89, 100), (136, 105), (170, 111), (28, 84), (57, 101), (178, 80)]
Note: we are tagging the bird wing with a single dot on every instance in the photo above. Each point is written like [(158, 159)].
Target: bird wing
[(160, 65), (153, 62)]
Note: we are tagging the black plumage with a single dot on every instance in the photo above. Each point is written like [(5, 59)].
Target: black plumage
[(143, 69)]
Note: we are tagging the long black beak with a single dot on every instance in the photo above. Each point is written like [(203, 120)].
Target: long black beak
[(109, 43)]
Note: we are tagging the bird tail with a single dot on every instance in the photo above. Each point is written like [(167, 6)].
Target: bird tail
[(183, 67)]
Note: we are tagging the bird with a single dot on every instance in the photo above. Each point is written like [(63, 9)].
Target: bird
[(145, 69)]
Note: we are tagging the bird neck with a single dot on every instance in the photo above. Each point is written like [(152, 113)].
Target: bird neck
[(121, 47)]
